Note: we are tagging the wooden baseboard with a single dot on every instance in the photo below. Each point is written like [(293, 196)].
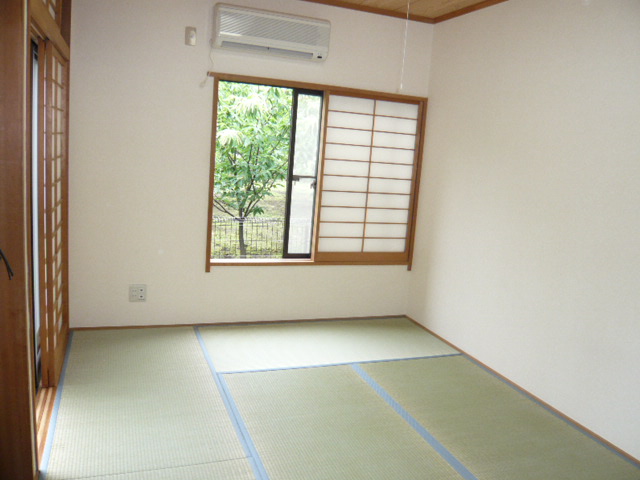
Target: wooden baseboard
[(239, 324), (536, 399)]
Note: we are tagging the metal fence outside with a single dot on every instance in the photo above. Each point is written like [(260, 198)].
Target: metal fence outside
[(263, 237)]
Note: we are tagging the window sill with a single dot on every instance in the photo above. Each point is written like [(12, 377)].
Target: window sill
[(284, 262), (244, 262)]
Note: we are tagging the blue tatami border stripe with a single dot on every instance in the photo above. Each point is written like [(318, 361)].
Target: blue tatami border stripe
[(236, 418), (338, 364), (54, 415), (423, 432)]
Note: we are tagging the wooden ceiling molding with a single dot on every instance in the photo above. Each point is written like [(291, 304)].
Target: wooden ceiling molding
[(427, 11)]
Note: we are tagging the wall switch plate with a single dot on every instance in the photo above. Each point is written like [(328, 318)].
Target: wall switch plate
[(190, 37), (137, 293)]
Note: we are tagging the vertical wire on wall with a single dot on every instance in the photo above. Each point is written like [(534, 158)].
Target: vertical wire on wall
[(211, 65), (404, 47), (211, 29)]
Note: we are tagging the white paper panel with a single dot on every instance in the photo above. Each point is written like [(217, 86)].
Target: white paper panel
[(388, 231), (337, 167), (351, 104), (349, 136), (379, 185), (342, 230), (387, 177), (388, 201), (377, 245), (381, 215), (345, 184), (395, 140), (396, 109), (337, 214), (340, 199), (397, 125), (391, 171), (339, 245), (346, 152), (391, 155), (353, 120)]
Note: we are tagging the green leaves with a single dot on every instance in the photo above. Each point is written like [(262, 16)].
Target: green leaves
[(252, 145), (229, 137)]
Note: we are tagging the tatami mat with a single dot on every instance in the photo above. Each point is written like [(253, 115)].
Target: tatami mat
[(300, 344), (227, 470), (136, 401), (494, 430), (327, 423), (303, 401)]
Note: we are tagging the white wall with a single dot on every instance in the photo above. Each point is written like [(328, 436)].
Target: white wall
[(527, 252), (528, 249), (140, 127)]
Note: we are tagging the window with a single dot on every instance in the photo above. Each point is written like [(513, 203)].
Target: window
[(339, 170), (267, 141)]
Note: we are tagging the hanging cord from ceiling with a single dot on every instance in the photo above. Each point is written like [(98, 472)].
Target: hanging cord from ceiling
[(211, 65), (404, 48)]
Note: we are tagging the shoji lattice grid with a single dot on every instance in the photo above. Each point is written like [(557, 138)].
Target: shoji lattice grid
[(53, 6), (367, 182), (54, 222)]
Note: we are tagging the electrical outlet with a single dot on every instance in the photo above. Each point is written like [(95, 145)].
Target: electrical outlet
[(137, 293)]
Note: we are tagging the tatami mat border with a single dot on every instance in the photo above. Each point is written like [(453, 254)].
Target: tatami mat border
[(234, 414), (421, 430), (54, 415), (341, 364)]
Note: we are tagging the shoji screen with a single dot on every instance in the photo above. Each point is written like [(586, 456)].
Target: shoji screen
[(53, 212), (53, 7), (369, 179)]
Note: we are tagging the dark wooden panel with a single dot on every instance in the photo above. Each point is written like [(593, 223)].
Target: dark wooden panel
[(17, 448)]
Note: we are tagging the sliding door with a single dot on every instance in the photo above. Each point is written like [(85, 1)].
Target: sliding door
[(52, 214)]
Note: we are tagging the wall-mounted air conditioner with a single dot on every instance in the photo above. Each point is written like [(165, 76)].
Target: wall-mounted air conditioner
[(271, 33)]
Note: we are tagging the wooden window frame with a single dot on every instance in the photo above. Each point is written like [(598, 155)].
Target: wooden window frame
[(327, 258)]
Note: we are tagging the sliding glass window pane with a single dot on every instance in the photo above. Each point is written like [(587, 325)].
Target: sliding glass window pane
[(253, 136), (305, 160), (303, 178), (303, 193), (35, 209)]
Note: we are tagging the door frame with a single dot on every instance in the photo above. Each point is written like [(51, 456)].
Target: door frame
[(17, 420)]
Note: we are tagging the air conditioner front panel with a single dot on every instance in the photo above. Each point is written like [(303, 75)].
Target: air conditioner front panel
[(278, 33), (254, 47)]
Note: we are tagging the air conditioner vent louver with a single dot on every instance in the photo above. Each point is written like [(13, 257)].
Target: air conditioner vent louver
[(282, 29), (273, 33)]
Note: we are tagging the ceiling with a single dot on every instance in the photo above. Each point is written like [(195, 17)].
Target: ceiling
[(428, 11)]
